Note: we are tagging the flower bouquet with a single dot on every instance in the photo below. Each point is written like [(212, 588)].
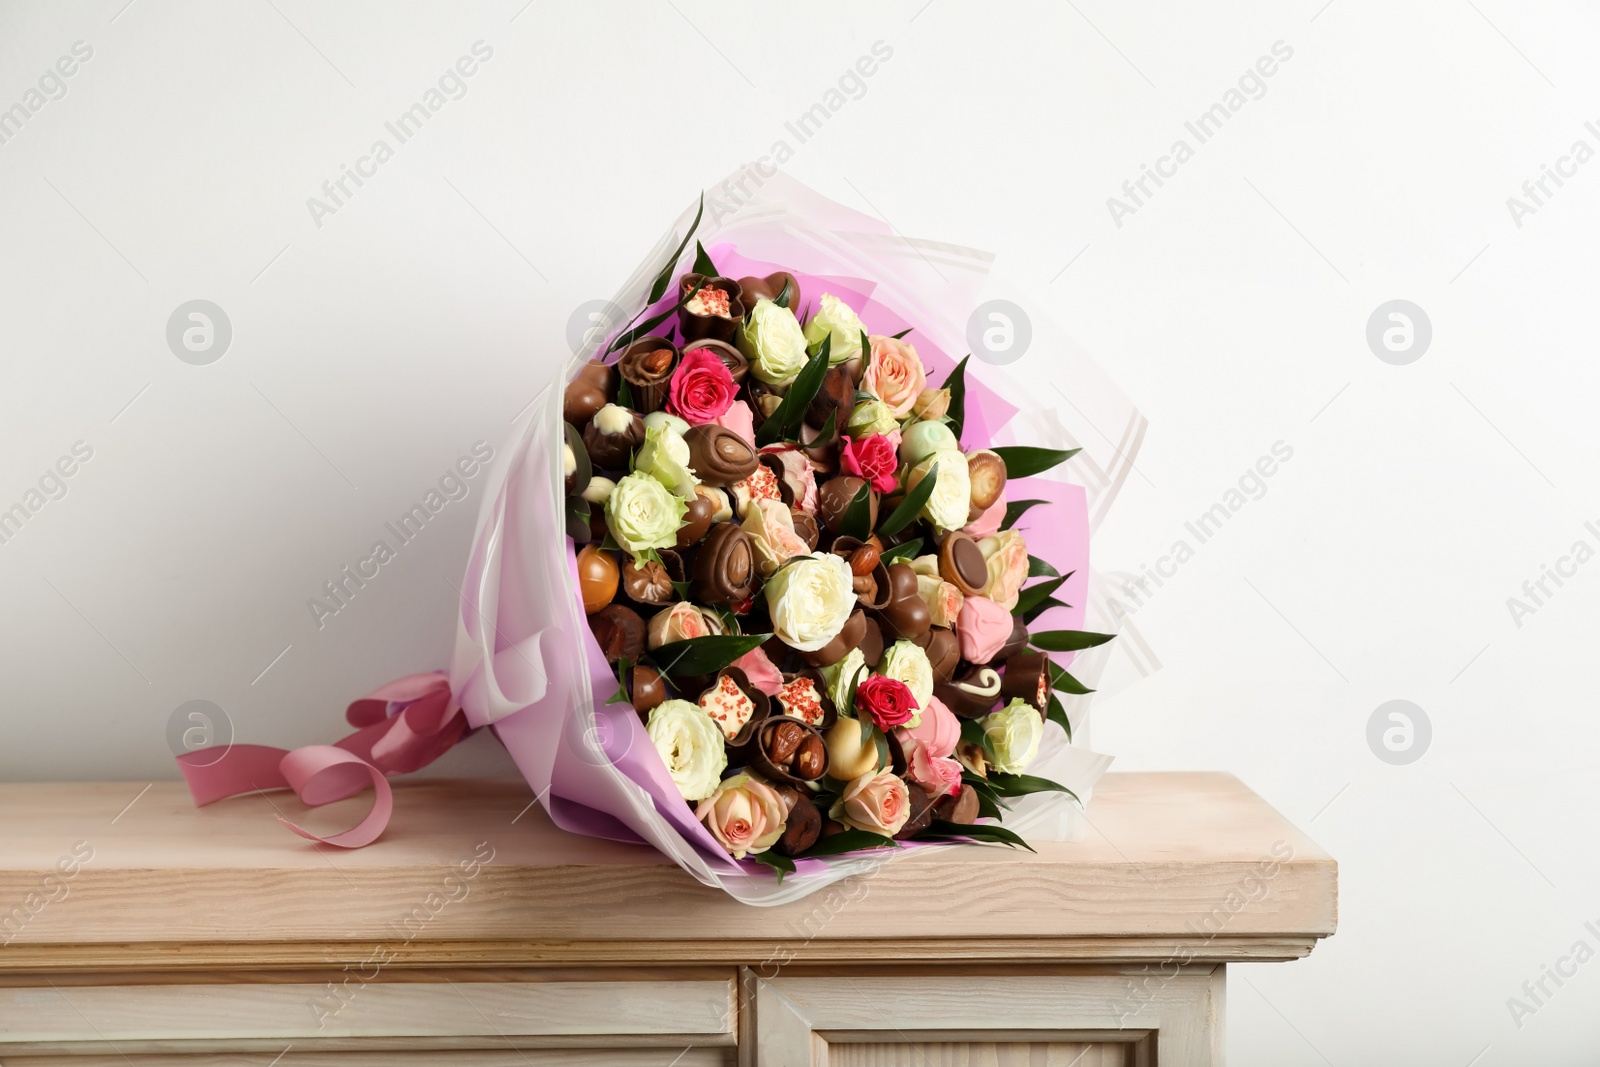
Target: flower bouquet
[(767, 581)]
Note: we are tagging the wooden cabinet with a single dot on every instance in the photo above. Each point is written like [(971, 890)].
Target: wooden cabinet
[(475, 934)]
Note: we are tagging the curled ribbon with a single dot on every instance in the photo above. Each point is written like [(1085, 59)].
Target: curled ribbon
[(400, 727)]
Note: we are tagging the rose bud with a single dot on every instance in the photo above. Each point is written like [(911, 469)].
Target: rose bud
[(987, 473), (619, 631), (597, 578), (646, 365), (588, 392), (612, 435), (801, 828)]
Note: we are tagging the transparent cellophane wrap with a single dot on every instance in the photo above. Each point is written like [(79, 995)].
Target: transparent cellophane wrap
[(525, 662)]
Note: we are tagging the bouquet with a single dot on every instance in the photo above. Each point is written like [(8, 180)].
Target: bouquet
[(760, 585)]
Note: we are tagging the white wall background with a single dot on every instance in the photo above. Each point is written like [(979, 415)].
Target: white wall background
[(372, 351)]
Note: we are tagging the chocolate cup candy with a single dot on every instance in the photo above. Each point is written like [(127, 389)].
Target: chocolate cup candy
[(1014, 643), (904, 613), (801, 828), (760, 712), (961, 563), (873, 589), (944, 652), (1027, 678), (921, 804), (805, 527), (648, 372), (769, 288), (696, 520), (588, 392), (724, 566), (788, 750), (597, 578), (849, 637), (834, 497), (610, 451), (738, 366), (646, 688), (819, 692), (987, 473), (719, 455), (961, 809), (973, 694), (715, 327), (577, 479), (619, 631)]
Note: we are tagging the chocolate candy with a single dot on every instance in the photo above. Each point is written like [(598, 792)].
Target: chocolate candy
[(720, 456), (597, 578), (724, 566), (973, 694), (944, 652), (835, 496), (647, 582), (770, 288), (647, 688), (612, 435), (737, 707), (646, 366), (986, 471), (588, 392), (738, 366), (804, 696), (848, 637), (1027, 678), (619, 631), (836, 397), (864, 558), (961, 809), (801, 827), (1014, 643), (871, 643), (577, 468), (903, 612), (961, 563), (699, 317), (805, 527), (696, 520), (920, 804), (788, 750)]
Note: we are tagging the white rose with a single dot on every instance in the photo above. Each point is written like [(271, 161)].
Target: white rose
[(690, 745), (1014, 733), (810, 600), (905, 662), (836, 318), (642, 514), (841, 676), (665, 456), (951, 498), (773, 342)]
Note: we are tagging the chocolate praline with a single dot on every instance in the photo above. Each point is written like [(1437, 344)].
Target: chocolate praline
[(904, 612), (597, 578), (619, 631), (801, 828), (612, 435), (588, 391), (961, 563), (920, 804), (582, 469), (972, 694), (1027, 678), (835, 397), (646, 365), (944, 652), (835, 496), (850, 636), (871, 643), (696, 520), (724, 566), (805, 527), (738, 366), (770, 288), (719, 456), (647, 583), (1016, 642), (698, 327), (646, 688), (986, 473), (961, 809)]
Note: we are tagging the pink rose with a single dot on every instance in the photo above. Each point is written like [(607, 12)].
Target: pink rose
[(702, 388), (939, 775), (739, 419), (894, 374), (761, 671), (982, 628), (877, 802), (938, 732), (744, 815), (989, 521), (873, 458), (887, 702), (1006, 554)]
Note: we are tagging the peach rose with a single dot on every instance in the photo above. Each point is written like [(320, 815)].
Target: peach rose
[(932, 403), (745, 815), (681, 622), (1007, 556), (770, 527), (894, 374), (878, 803), (942, 598)]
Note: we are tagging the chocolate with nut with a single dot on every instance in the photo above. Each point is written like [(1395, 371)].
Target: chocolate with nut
[(646, 365), (788, 750)]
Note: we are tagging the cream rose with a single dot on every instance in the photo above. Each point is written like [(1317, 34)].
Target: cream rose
[(773, 342), (870, 417), (905, 662), (690, 745), (665, 457), (932, 404), (810, 599), (878, 803), (682, 622), (894, 374), (641, 514), (1014, 734), (951, 498), (836, 319), (745, 815), (841, 676), (943, 599), (770, 527), (1006, 554)]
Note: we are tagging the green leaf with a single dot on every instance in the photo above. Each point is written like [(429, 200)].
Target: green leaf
[(857, 521), (1021, 785), (850, 694), (1067, 640), (956, 382), (849, 841), (621, 696), (1066, 683), (624, 392), (829, 431), (881, 740), (1035, 595), (985, 832), (866, 349), (786, 294), (990, 803), (704, 655), (791, 411), (1043, 606), (911, 506), (1038, 568), (1015, 509), (1058, 715), (905, 550), (665, 277), (776, 860), (1022, 461), (702, 262), (973, 734), (902, 333)]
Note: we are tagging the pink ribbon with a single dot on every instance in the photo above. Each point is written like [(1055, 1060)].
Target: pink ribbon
[(401, 727)]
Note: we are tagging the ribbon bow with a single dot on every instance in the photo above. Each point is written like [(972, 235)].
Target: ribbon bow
[(400, 727)]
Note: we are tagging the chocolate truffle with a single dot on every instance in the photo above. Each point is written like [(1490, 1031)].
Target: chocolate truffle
[(903, 613), (696, 520), (961, 809), (647, 582), (973, 694), (619, 631), (612, 435), (1014, 643), (835, 496), (719, 455), (646, 687), (724, 566), (801, 827), (770, 288), (961, 563), (920, 803), (646, 365), (588, 392), (597, 578), (836, 396), (944, 652), (805, 527)]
